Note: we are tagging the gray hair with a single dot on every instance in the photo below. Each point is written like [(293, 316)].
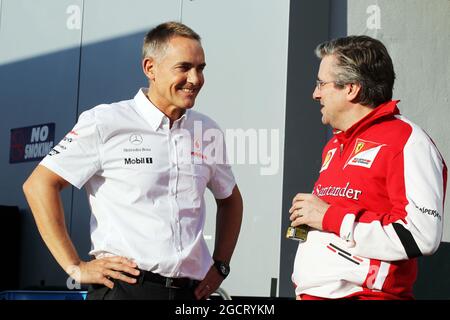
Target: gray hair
[(362, 60), (156, 40)]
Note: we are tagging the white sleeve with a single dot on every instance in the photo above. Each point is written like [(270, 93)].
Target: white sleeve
[(222, 181), (76, 158)]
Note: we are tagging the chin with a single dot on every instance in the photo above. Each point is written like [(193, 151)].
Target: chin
[(188, 105)]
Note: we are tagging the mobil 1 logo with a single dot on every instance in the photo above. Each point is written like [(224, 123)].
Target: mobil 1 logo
[(137, 160)]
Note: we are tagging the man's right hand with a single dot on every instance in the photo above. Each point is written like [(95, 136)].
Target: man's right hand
[(101, 270)]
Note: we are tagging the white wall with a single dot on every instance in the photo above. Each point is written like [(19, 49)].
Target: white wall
[(246, 45)]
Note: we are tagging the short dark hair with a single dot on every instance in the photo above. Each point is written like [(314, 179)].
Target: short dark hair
[(155, 41), (363, 60)]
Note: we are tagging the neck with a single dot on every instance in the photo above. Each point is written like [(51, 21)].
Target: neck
[(172, 112), (354, 115)]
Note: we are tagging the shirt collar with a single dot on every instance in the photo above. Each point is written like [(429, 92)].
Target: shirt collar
[(386, 109), (155, 117)]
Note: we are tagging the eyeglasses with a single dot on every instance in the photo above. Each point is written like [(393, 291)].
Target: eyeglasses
[(320, 83)]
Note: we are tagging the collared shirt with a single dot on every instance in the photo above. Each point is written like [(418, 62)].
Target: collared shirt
[(145, 182)]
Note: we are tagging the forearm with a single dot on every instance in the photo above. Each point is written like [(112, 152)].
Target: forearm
[(228, 225), (45, 203), (388, 236)]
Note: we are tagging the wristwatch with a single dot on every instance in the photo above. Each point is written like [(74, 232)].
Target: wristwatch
[(222, 267)]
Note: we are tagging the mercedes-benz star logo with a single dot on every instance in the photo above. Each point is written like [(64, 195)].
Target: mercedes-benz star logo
[(136, 139)]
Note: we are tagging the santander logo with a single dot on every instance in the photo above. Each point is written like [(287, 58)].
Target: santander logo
[(337, 191)]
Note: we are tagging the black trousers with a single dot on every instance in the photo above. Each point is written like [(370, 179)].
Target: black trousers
[(142, 290), (149, 286)]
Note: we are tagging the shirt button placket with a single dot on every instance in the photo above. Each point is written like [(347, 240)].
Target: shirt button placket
[(173, 189), (175, 162)]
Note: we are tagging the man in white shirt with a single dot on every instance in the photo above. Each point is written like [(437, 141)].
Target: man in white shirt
[(145, 168)]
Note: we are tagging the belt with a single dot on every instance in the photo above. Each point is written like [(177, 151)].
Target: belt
[(168, 282)]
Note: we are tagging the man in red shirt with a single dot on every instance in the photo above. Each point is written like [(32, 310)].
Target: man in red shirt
[(378, 202)]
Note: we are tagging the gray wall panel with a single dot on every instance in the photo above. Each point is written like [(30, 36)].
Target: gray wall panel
[(0, 14), (38, 85)]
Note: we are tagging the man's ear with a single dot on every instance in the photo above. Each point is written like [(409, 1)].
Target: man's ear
[(353, 90), (148, 66)]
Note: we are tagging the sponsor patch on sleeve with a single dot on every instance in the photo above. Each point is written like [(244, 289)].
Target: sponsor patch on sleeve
[(327, 160)]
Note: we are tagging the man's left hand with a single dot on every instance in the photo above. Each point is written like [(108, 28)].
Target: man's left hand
[(308, 209), (209, 284)]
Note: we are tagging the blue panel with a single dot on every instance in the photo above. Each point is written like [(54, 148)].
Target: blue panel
[(43, 295)]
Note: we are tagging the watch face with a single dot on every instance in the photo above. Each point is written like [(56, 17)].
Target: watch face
[(224, 269)]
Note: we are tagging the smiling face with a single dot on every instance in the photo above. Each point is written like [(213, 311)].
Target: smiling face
[(334, 100), (177, 76)]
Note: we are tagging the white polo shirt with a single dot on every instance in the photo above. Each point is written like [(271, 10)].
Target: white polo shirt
[(145, 182)]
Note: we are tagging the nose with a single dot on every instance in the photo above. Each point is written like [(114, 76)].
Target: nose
[(195, 77), (316, 93)]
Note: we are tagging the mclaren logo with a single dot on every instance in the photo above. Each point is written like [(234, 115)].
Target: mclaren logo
[(143, 160), (364, 153), (136, 139)]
